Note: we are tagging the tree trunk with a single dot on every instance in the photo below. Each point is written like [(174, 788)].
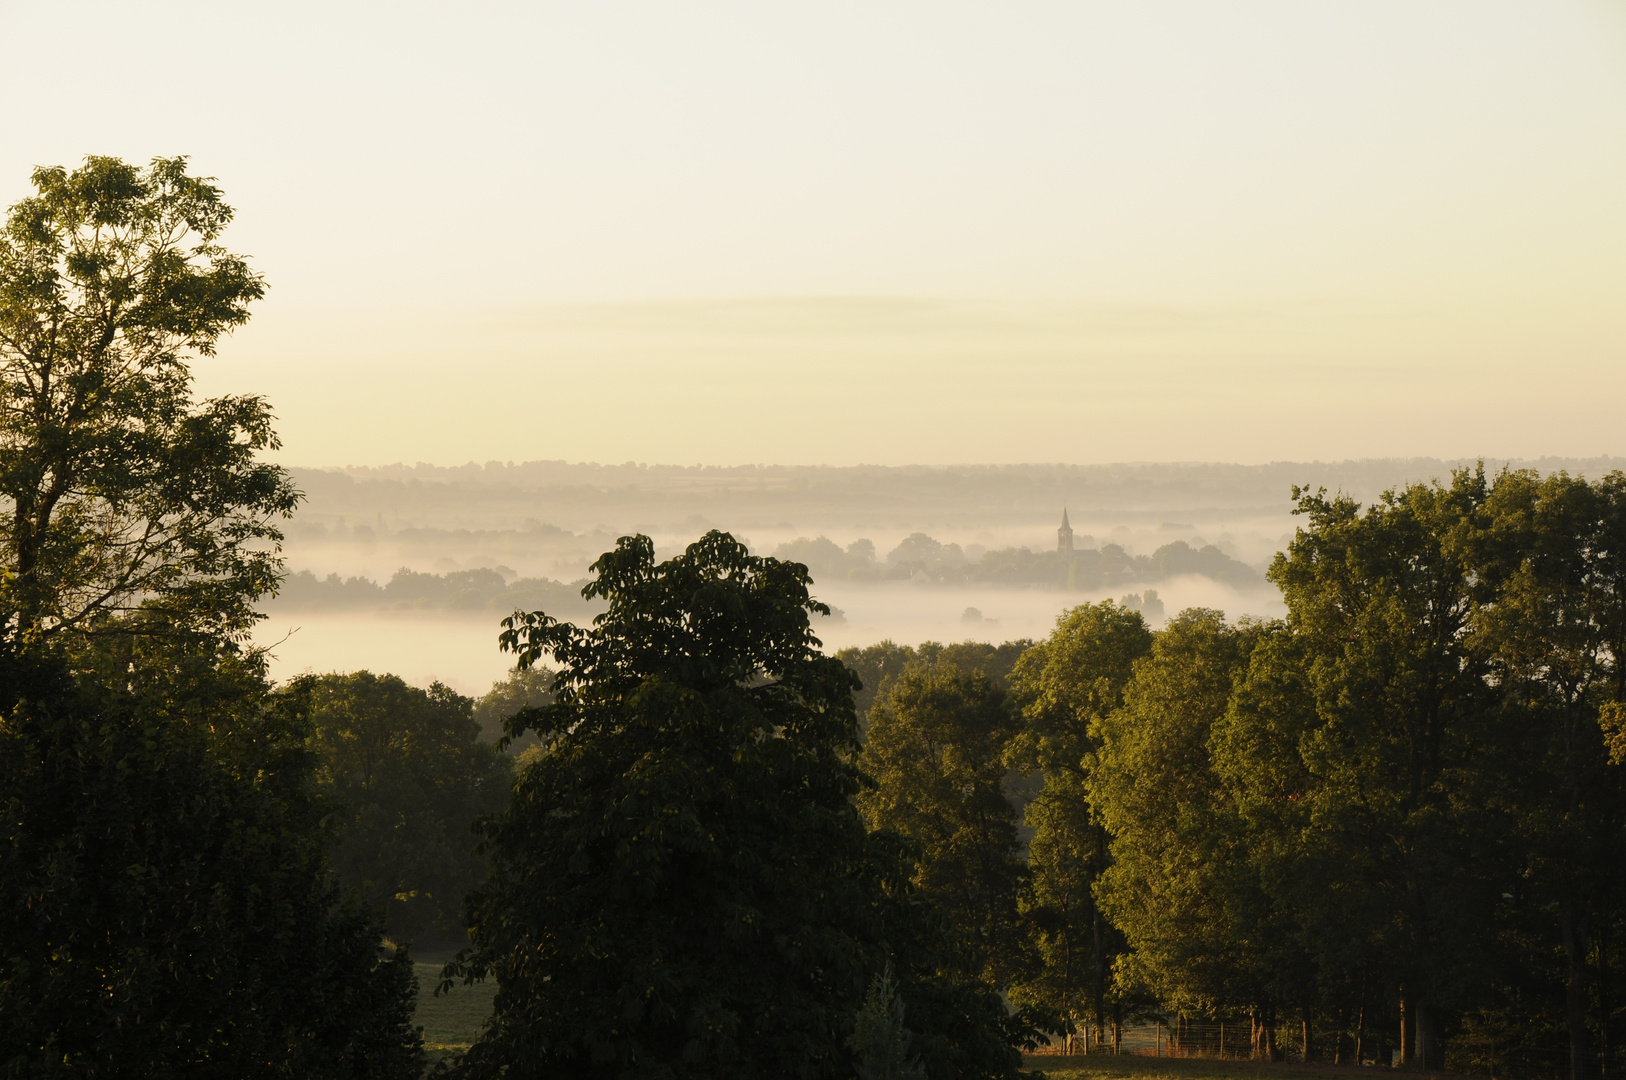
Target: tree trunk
[(1430, 1050), (1603, 998), (1404, 1050), (1069, 997), (1306, 1050), (1572, 926), (1117, 1027), (1098, 946)]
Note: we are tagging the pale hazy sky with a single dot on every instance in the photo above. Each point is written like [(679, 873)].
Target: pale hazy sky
[(886, 232)]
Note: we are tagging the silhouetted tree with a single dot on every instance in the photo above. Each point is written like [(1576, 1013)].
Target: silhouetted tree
[(166, 906), (681, 885), (122, 496), (409, 774)]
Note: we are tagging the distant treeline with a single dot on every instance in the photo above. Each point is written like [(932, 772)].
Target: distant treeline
[(474, 591), (921, 558)]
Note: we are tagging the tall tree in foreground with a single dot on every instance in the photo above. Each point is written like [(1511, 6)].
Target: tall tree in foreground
[(1067, 685), (166, 907), (681, 886), (936, 750), (1182, 884), (121, 495), (1553, 556), (1371, 749)]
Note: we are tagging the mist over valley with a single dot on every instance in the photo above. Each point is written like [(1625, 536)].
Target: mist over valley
[(410, 568)]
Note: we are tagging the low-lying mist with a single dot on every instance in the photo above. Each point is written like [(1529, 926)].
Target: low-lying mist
[(409, 570), (460, 649)]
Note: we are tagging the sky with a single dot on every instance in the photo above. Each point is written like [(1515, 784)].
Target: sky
[(890, 233)]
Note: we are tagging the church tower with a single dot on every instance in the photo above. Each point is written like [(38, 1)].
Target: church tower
[(1064, 535)]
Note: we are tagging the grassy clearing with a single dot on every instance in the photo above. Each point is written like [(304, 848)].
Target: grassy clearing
[(1137, 1067), (452, 1021)]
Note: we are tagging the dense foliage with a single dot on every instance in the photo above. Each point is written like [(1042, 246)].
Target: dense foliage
[(522, 688), (1067, 685), (1392, 823), (1391, 819), (166, 904), (935, 750), (120, 495), (681, 885), (878, 666), (409, 772)]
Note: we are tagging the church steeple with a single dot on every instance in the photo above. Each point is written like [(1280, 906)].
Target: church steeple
[(1064, 535)]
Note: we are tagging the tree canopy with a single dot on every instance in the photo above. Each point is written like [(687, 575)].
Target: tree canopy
[(1066, 686), (681, 885), (166, 903), (1393, 815), (119, 492), (935, 749), (409, 773)]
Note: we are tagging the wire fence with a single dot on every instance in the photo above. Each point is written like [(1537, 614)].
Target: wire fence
[(1234, 1041)]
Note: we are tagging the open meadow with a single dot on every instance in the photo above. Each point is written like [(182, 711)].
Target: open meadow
[(451, 1021)]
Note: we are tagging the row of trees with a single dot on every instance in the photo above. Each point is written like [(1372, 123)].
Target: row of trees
[(1394, 820), (920, 557)]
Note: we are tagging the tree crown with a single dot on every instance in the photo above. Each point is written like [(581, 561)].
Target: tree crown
[(117, 492)]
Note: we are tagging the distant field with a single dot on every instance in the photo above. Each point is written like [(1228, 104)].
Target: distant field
[(452, 1021)]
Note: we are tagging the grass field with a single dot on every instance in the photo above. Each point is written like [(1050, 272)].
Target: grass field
[(453, 1020)]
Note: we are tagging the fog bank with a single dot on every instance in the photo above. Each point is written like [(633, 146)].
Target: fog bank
[(409, 569)]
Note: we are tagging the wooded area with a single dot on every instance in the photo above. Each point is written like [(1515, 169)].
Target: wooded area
[(684, 841), (1388, 828)]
